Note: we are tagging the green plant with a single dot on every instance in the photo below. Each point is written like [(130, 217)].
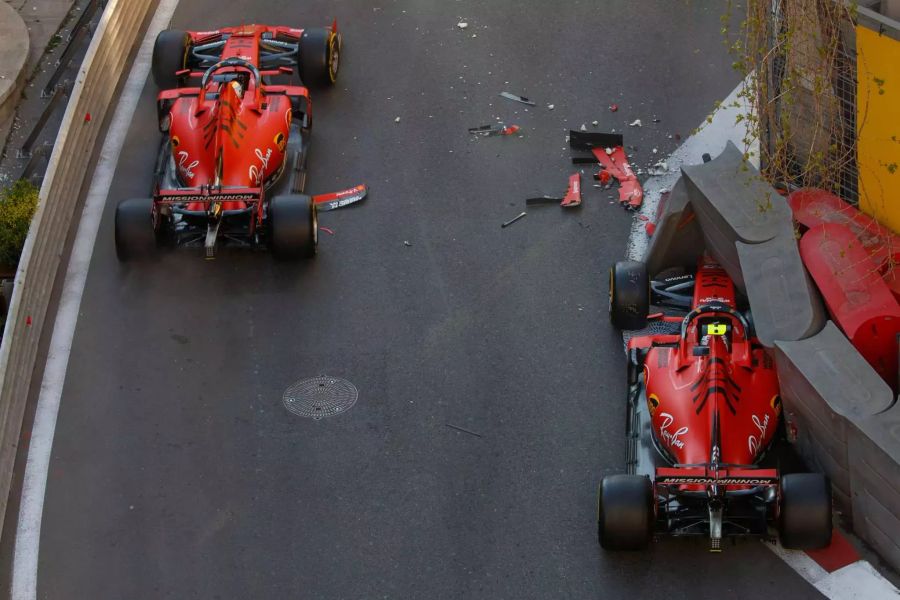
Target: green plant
[(17, 206)]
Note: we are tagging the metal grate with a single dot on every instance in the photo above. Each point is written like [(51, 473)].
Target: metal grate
[(319, 397)]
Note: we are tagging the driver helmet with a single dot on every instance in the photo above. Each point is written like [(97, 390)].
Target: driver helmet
[(237, 87)]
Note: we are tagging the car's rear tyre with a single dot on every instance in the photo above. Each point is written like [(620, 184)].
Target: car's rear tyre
[(629, 295), (625, 512), (320, 57), (293, 227), (169, 56), (135, 236), (804, 521)]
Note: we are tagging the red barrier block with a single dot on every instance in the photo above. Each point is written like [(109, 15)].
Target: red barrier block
[(859, 300), (812, 207)]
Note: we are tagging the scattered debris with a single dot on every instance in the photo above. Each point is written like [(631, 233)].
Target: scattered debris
[(608, 151), (595, 123), (335, 200), (650, 228), (656, 119), (551, 106), (456, 427), (602, 176), (643, 217), (660, 168), (521, 99), (583, 127), (613, 107), (513, 220), (573, 194), (462, 24), (494, 129), (397, 120), (542, 200), (635, 123), (326, 230), (407, 243)]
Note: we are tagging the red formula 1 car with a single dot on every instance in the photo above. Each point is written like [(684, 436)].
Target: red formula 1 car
[(703, 410), (236, 117)]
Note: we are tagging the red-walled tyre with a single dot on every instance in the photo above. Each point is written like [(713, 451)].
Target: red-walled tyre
[(625, 512)]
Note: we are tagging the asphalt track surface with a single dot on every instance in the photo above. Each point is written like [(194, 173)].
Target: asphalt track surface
[(177, 472)]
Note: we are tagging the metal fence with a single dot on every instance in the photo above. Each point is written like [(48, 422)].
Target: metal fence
[(806, 95)]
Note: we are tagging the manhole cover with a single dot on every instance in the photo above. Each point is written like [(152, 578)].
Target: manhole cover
[(321, 396)]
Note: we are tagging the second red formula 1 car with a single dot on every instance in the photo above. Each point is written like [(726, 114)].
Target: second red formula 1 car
[(703, 410), (236, 117)]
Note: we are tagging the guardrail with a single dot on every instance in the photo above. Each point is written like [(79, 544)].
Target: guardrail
[(106, 61)]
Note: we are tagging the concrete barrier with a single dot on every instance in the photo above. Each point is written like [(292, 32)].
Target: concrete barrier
[(786, 304), (678, 240), (107, 59), (874, 449), (734, 204), (826, 386)]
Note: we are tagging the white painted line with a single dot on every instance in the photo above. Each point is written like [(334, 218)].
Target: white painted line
[(857, 581), (711, 138), (28, 533)]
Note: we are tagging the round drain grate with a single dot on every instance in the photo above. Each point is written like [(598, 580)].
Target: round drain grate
[(321, 396)]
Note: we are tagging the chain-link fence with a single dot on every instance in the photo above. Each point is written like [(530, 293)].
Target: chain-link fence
[(802, 58)]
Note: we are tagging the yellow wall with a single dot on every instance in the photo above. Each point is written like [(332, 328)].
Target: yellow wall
[(878, 125)]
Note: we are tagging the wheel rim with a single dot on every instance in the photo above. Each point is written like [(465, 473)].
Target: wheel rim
[(612, 283), (334, 58), (315, 228)]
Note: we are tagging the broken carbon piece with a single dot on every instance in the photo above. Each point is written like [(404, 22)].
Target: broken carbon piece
[(496, 129), (335, 200), (608, 151), (571, 199), (513, 220), (573, 193), (515, 98)]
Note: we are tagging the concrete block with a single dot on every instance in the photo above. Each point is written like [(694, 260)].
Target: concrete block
[(874, 448), (783, 298), (678, 240), (826, 386), (734, 204)]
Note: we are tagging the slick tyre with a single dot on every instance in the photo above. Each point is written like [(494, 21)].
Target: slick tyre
[(169, 56), (320, 57), (294, 227), (804, 521), (135, 236), (625, 512), (629, 295)]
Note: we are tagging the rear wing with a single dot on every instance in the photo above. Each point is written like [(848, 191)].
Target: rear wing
[(726, 476), (208, 195)]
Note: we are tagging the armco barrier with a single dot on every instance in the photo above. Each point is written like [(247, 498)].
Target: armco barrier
[(107, 59)]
